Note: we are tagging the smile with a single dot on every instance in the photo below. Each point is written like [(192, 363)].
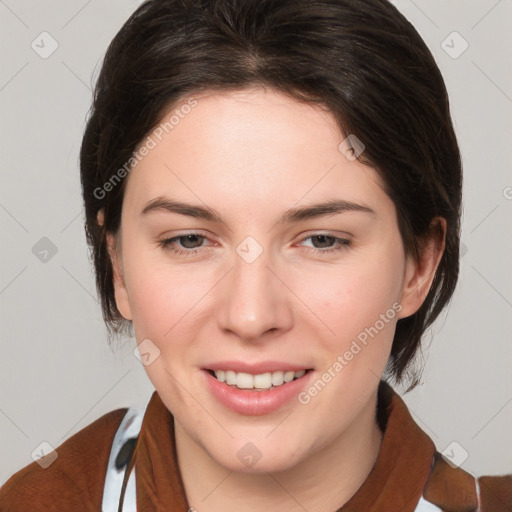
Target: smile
[(259, 382), (256, 394)]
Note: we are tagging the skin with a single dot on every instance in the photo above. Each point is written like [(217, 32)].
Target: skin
[(251, 155)]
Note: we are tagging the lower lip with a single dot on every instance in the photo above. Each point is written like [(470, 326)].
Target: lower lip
[(254, 403)]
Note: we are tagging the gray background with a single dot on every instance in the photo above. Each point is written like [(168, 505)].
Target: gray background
[(57, 372)]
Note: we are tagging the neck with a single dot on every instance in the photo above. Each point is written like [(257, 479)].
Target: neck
[(325, 480)]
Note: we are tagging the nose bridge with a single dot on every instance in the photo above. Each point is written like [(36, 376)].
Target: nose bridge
[(254, 300)]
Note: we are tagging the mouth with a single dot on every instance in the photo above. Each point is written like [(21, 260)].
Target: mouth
[(260, 382), (253, 394)]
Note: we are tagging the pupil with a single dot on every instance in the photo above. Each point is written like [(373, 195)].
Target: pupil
[(325, 241), (189, 241)]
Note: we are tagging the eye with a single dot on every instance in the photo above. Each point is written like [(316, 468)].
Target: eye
[(188, 243), (191, 241), (324, 243)]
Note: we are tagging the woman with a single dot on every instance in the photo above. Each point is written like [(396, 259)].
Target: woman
[(272, 194)]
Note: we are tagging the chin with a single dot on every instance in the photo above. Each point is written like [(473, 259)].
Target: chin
[(251, 460)]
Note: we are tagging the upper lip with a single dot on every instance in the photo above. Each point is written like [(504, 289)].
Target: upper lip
[(256, 368)]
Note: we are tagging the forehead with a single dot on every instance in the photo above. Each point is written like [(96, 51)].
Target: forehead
[(250, 146), (245, 120)]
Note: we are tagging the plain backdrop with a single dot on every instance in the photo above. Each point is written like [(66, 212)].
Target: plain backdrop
[(57, 372)]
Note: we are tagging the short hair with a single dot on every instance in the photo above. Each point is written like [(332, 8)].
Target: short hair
[(360, 59)]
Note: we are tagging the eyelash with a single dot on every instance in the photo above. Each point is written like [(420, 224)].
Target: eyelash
[(167, 244)]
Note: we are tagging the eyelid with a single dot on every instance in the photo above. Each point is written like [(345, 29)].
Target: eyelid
[(198, 232), (325, 232)]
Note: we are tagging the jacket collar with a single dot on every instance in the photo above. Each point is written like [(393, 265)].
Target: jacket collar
[(396, 481)]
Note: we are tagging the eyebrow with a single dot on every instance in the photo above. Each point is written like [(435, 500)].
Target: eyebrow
[(331, 207)]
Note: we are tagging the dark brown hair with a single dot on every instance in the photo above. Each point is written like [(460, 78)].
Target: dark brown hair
[(360, 59)]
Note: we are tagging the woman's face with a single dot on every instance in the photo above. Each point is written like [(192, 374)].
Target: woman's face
[(227, 261)]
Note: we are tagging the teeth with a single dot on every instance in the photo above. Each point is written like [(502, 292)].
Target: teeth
[(261, 381), (288, 376)]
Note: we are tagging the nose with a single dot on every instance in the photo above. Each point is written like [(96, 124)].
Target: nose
[(254, 302)]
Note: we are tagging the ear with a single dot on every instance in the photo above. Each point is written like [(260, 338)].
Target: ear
[(420, 271), (120, 291)]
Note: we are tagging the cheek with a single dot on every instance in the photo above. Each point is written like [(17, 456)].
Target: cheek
[(357, 301), (166, 301), (164, 298)]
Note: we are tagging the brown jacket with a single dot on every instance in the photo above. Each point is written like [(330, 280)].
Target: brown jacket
[(407, 468)]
